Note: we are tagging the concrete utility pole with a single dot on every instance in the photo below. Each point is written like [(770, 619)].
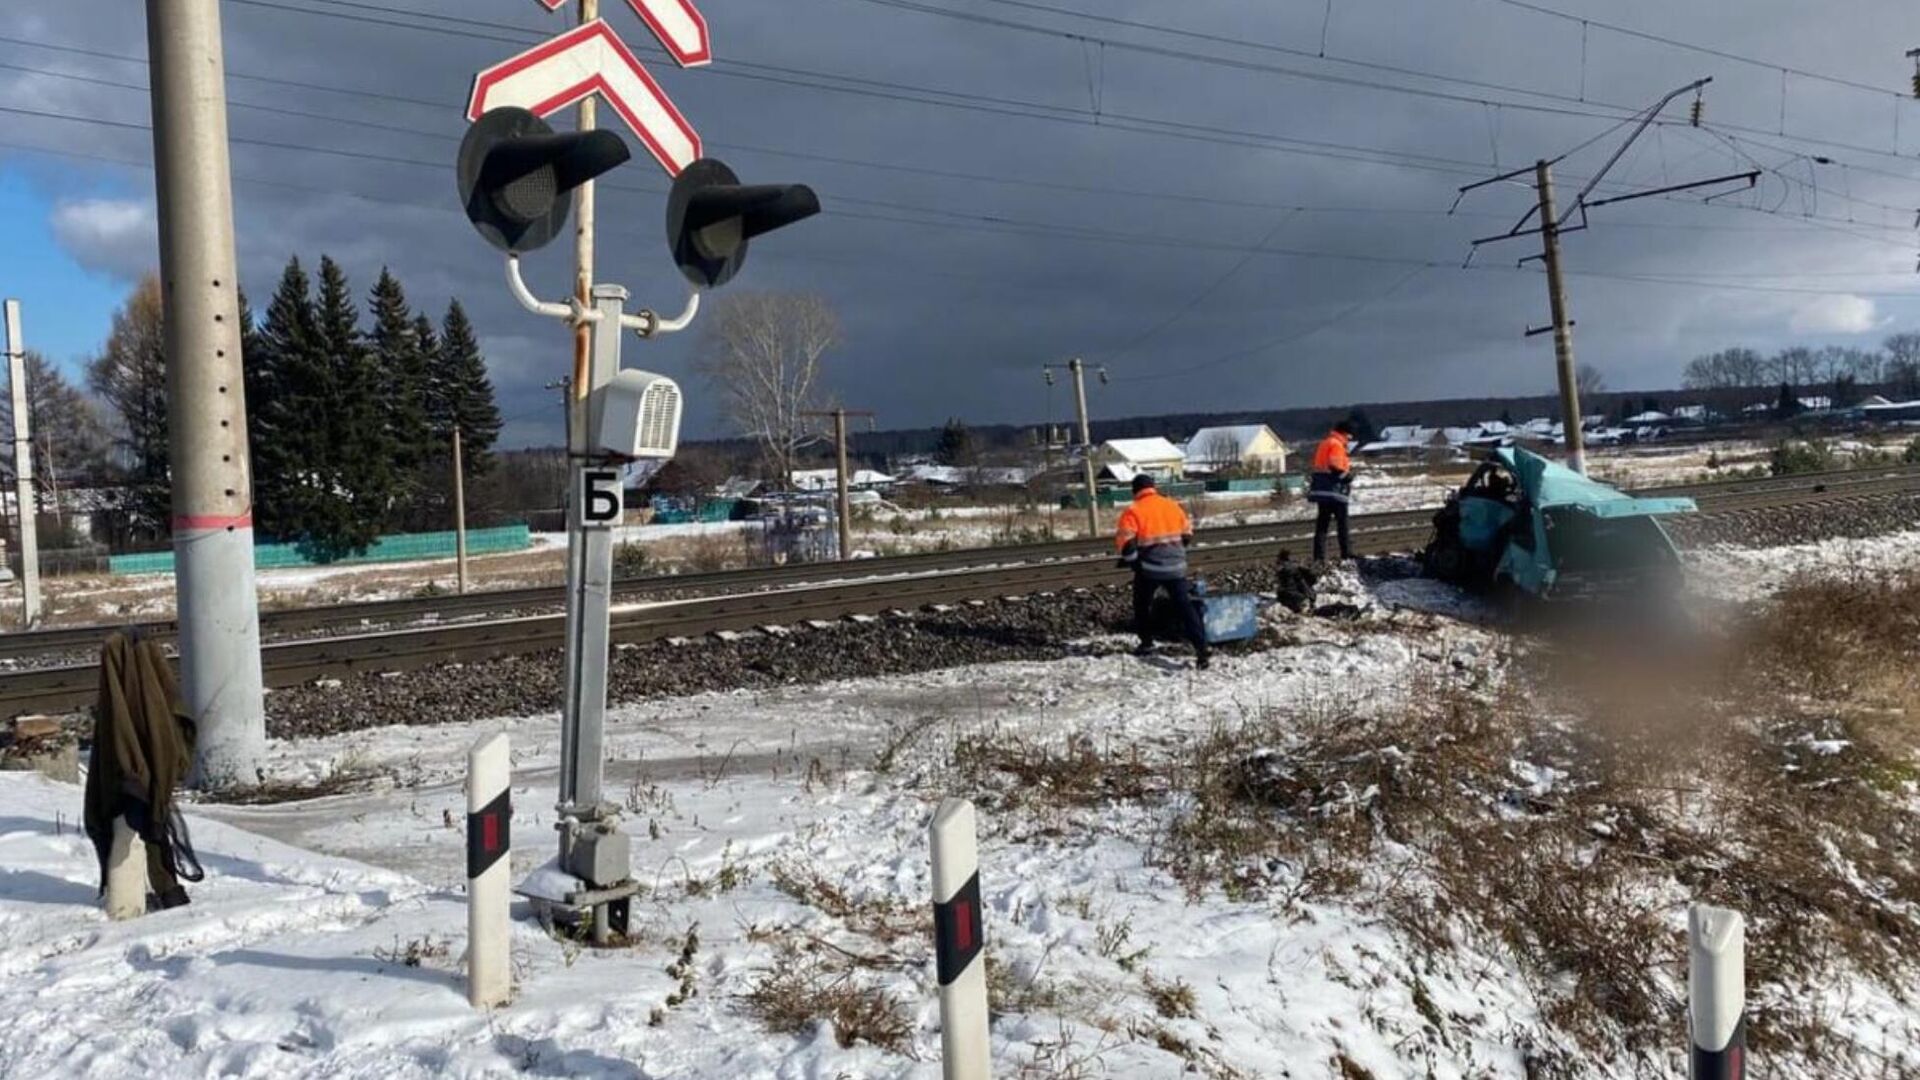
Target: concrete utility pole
[(1079, 371), (23, 470), (843, 479), (206, 405), (1562, 325), (459, 513), (1552, 226)]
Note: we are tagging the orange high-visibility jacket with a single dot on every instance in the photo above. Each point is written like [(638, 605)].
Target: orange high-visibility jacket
[(1331, 455), (1158, 528)]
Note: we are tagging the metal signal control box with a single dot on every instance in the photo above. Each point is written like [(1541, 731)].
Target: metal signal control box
[(638, 416)]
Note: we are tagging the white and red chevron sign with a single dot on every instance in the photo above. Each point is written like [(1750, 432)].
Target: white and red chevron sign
[(592, 59), (677, 23)]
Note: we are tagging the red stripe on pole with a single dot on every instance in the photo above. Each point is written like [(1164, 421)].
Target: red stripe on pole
[(963, 928), (490, 833), (213, 521)]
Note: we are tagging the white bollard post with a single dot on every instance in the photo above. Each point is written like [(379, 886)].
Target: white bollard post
[(126, 873), (1717, 985), (489, 847), (959, 943)]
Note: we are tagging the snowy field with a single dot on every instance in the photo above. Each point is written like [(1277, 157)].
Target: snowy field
[(781, 840)]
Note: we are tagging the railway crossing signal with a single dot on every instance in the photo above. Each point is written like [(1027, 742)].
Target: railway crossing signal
[(517, 180), (517, 176), (711, 216)]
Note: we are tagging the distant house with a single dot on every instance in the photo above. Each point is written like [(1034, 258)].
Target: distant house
[(1648, 418), (1821, 403), (953, 476), (829, 480), (1250, 447), (1404, 439), (1695, 414), (1758, 408), (1123, 459), (738, 487), (1890, 412)]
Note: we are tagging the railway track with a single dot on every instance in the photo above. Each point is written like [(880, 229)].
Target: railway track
[(506, 603), (789, 596)]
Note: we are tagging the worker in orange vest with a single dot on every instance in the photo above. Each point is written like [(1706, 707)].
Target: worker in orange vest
[(1329, 485), (1153, 536)]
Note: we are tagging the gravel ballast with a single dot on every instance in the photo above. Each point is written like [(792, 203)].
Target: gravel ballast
[(1039, 627)]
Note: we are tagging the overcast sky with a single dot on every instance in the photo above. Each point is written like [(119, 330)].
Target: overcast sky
[(1265, 232)]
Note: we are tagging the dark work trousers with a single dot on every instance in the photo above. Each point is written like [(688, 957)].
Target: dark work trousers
[(1331, 512), (1176, 588)]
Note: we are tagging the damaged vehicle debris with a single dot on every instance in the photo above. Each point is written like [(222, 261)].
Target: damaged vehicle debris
[(1524, 526)]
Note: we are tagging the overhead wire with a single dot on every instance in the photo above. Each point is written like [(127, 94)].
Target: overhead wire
[(1043, 111), (1581, 99), (971, 177)]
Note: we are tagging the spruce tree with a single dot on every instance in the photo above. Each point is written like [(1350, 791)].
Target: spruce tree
[(463, 394), (347, 514), (430, 510), (400, 367), (289, 397)]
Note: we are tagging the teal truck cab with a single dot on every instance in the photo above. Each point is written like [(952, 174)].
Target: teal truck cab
[(1525, 524)]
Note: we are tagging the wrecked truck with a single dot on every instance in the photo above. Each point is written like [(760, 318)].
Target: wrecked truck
[(1526, 527)]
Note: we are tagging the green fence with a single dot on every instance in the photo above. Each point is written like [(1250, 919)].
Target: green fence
[(1249, 485), (1120, 496), (402, 547)]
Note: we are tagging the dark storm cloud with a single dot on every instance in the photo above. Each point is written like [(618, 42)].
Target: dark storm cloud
[(953, 311)]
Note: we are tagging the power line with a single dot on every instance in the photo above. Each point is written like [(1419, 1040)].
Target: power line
[(960, 219), (1705, 50), (1568, 99), (1285, 339), (1200, 297), (1809, 220)]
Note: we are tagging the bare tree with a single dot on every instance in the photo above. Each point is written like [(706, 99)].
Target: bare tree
[(1220, 452), (1837, 362), (1588, 381), (1869, 366), (1795, 366), (1728, 369), (70, 442), (763, 351), (1902, 367)]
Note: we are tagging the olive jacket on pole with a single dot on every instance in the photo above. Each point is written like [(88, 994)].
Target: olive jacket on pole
[(142, 749)]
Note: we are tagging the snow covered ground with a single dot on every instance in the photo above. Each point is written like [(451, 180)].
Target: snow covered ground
[(1739, 575), (784, 832)]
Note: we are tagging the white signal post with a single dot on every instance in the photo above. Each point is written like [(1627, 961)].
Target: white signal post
[(126, 885), (23, 470), (959, 943), (489, 871), (1717, 992)]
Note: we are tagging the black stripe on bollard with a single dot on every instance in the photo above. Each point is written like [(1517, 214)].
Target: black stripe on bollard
[(488, 835), (957, 932), (1729, 1063)]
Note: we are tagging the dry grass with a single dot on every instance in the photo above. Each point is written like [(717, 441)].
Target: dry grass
[(885, 918), (1010, 770), (1560, 822), (806, 988)]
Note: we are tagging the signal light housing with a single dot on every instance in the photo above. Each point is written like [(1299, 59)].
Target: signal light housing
[(711, 216), (516, 175)]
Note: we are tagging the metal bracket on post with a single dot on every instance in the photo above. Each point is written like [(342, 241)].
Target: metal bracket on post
[(649, 324), (573, 311)]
